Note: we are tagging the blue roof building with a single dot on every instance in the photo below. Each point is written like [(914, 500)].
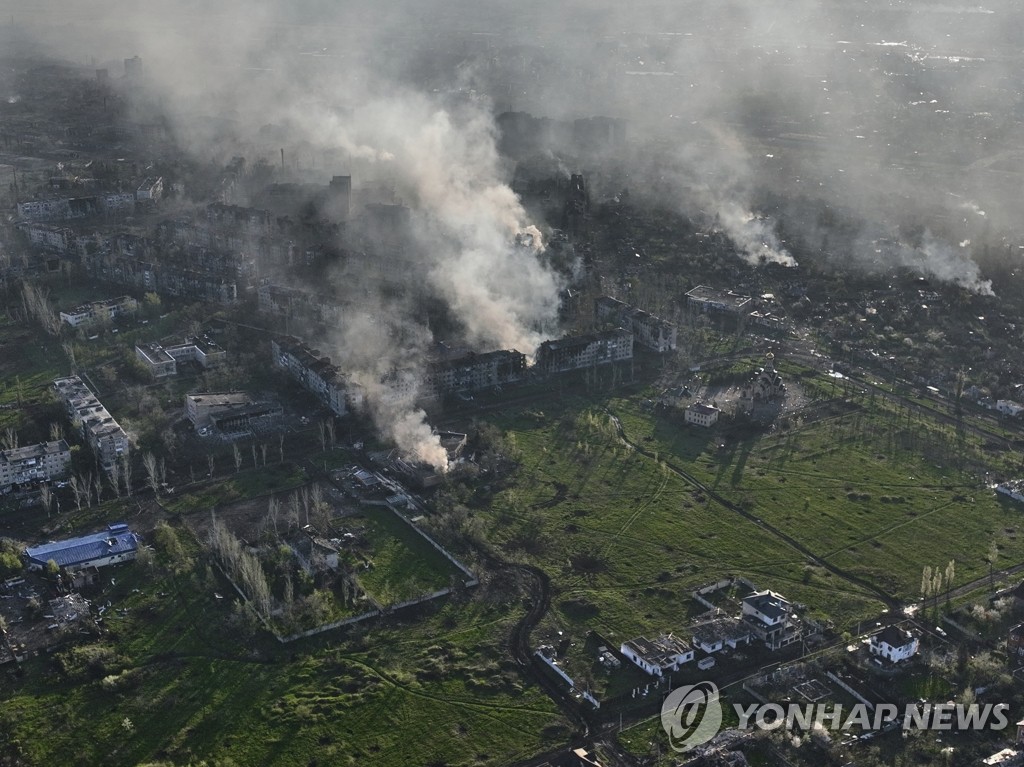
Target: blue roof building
[(116, 544)]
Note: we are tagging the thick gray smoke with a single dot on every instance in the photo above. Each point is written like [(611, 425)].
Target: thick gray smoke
[(324, 84), (745, 116)]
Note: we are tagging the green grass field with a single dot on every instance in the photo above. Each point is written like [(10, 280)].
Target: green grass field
[(404, 565), (179, 677), (239, 486), (626, 538)]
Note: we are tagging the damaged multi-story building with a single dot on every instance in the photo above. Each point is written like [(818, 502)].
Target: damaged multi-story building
[(469, 372), (297, 304), (316, 374), (171, 269), (230, 413), (585, 351), (707, 299), (649, 331), (98, 429), (34, 463)]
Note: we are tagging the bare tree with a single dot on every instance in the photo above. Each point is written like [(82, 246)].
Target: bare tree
[(56, 432), (280, 447), (36, 304), (87, 489), (69, 351), (115, 478), (320, 507), (263, 451), (75, 483), (323, 434), (126, 474), (10, 438), (209, 463), (305, 501), (149, 462), (330, 432), (950, 575), (238, 456), (273, 508), (45, 497), (255, 463), (97, 484)]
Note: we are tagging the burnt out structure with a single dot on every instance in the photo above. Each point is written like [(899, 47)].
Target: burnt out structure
[(649, 331), (472, 372), (300, 305), (173, 269), (316, 373), (584, 351)]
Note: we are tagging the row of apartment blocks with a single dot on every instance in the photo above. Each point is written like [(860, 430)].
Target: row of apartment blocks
[(162, 361), (172, 269), (98, 429), (34, 463), (64, 208), (649, 331), (103, 311), (463, 373), (460, 374)]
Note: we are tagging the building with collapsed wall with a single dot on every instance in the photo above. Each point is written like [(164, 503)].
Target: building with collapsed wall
[(472, 372), (649, 331), (584, 351), (707, 299), (316, 373)]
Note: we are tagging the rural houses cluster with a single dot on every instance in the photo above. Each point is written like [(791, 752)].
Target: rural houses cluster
[(765, 619)]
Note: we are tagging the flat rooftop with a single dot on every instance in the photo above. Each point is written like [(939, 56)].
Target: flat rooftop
[(34, 451), (221, 398), (724, 298)]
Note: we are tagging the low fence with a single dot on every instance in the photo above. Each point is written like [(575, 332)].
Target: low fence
[(567, 679)]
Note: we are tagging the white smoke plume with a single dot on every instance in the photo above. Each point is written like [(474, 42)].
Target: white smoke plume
[(754, 236), (939, 260)]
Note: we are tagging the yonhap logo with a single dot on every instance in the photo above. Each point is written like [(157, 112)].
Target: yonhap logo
[(691, 715)]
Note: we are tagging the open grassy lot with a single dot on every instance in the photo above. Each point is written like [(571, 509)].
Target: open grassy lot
[(183, 676), (244, 484), (404, 565), (625, 538), (877, 491), (865, 486)]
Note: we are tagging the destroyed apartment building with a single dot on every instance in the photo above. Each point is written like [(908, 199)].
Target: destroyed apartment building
[(584, 351), (229, 228), (98, 429), (170, 269), (230, 413), (470, 372), (317, 374), (297, 304), (649, 331)]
